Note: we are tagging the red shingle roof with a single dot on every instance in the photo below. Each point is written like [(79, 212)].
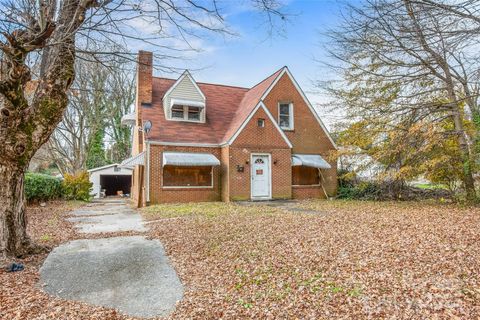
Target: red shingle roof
[(227, 108)]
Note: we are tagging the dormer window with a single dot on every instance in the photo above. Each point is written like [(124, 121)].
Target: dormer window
[(184, 101), (187, 110), (187, 113)]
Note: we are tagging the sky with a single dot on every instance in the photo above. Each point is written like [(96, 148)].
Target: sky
[(253, 55)]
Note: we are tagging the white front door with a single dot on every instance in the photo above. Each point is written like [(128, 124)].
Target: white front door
[(260, 177)]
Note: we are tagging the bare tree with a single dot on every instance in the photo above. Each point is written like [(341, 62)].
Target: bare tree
[(49, 34), (411, 60), (85, 114), (119, 99)]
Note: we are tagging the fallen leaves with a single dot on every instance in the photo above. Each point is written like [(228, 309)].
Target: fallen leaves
[(349, 260), (309, 260)]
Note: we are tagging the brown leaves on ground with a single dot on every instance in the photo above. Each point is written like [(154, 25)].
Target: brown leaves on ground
[(349, 260), (20, 296), (318, 259)]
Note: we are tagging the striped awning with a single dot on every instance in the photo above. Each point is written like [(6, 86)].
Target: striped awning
[(189, 159), (310, 160), (131, 162)]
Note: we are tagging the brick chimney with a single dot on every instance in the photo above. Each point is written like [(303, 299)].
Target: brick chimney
[(144, 95), (144, 77)]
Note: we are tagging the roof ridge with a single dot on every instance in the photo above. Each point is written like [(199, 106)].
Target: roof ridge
[(268, 77), (207, 83)]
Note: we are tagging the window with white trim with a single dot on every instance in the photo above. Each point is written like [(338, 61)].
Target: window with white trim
[(285, 115), (187, 113)]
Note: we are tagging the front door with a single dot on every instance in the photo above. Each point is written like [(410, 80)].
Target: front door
[(260, 177)]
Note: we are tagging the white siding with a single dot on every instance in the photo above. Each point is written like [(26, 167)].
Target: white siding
[(185, 90), (95, 177)]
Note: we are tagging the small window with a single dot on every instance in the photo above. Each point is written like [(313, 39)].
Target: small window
[(285, 115), (194, 113), (177, 112), (261, 123)]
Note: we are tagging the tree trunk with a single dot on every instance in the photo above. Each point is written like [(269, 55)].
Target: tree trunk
[(14, 241), (467, 159)]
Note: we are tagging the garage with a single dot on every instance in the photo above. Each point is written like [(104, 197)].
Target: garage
[(114, 183), (111, 179)]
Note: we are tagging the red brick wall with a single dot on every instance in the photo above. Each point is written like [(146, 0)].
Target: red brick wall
[(307, 192), (158, 194), (308, 136), (225, 173), (254, 139)]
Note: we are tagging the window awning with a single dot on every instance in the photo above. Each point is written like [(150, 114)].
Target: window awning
[(310, 160), (189, 159), (131, 162), (184, 102), (128, 119)]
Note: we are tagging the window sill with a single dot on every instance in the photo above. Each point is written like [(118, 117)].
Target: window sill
[(185, 120), (287, 129), (185, 188)]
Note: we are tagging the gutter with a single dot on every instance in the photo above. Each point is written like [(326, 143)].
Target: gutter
[(147, 183)]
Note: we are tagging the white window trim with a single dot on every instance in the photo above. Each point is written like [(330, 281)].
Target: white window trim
[(291, 121), (190, 187), (185, 115)]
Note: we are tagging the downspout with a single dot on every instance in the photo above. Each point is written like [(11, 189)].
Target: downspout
[(323, 179), (147, 183)]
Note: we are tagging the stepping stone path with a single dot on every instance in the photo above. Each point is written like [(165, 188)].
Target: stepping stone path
[(131, 274)]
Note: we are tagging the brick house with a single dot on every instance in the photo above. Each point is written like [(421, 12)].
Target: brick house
[(197, 141)]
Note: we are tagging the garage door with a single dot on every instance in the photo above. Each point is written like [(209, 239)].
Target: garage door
[(114, 183)]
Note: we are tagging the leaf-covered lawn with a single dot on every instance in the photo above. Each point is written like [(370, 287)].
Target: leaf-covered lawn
[(337, 259), (20, 296), (351, 260)]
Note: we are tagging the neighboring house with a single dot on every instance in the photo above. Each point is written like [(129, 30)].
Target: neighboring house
[(197, 141), (110, 178)]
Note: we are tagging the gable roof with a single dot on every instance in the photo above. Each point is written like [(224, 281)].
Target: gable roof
[(105, 167), (286, 71), (184, 75), (229, 107)]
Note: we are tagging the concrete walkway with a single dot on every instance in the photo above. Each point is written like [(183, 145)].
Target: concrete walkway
[(131, 274), (112, 215)]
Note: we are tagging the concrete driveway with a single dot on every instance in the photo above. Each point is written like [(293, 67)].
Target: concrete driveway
[(131, 274)]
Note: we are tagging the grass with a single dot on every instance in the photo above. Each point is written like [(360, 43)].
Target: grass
[(203, 209), (430, 186)]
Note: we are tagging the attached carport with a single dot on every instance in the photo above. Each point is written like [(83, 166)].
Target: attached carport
[(112, 179)]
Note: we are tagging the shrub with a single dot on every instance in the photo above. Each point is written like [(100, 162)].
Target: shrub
[(77, 186), (363, 190), (42, 187)]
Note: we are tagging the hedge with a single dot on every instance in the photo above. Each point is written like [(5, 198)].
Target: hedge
[(42, 187)]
